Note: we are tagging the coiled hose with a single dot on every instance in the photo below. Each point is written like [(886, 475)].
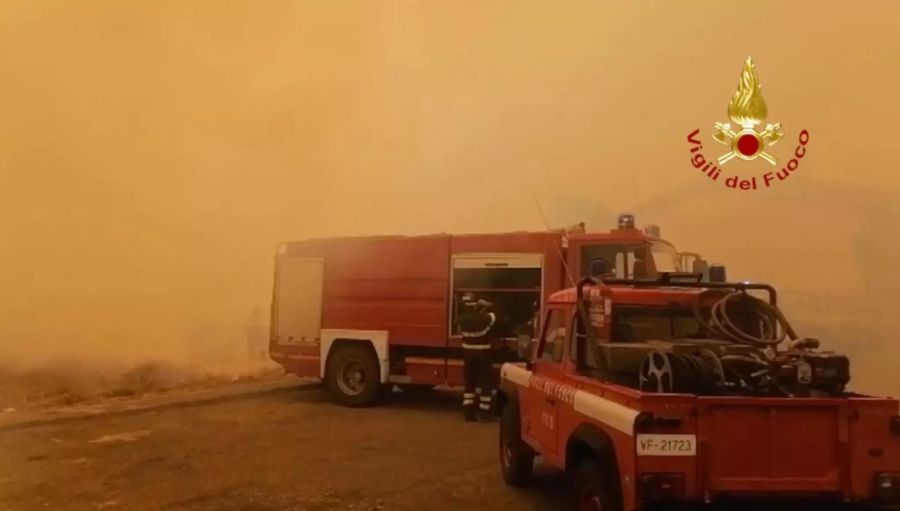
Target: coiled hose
[(773, 327)]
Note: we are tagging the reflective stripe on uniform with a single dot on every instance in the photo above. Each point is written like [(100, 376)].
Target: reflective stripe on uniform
[(484, 406), (476, 346), (486, 399), (468, 401), (484, 332), (469, 394)]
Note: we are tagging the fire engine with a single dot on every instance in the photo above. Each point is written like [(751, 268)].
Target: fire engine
[(363, 313), (674, 393)]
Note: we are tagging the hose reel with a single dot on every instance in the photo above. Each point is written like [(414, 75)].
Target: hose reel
[(759, 325), (669, 372), (772, 328)]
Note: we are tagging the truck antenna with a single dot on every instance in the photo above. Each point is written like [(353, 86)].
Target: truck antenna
[(559, 252), (637, 197)]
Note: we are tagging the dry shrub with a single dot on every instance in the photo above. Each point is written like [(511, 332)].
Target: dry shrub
[(60, 381), (147, 377)]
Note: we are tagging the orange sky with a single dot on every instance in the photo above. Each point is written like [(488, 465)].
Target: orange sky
[(152, 154)]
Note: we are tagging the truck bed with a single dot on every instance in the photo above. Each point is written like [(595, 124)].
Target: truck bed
[(793, 446)]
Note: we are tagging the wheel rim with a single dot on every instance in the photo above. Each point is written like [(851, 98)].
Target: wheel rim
[(505, 449), (590, 501), (656, 373), (351, 378)]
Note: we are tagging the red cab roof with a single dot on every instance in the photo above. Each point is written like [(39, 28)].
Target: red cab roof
[(613, 235)]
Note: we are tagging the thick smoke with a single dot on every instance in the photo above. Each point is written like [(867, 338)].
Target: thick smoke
[(152, 155)]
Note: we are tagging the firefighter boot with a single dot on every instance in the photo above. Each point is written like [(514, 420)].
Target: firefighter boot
[(485, 410), (469, 406)]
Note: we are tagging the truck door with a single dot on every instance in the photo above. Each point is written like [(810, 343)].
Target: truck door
[(548, 369), (298, 300), (511, 282)]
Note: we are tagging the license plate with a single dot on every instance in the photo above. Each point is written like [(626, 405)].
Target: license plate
[(667, 445)]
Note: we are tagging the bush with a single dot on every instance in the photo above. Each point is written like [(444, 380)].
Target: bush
[(151, 376)]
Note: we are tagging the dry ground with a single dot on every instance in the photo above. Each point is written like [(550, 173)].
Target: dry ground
[(67, 383), (284, 450)]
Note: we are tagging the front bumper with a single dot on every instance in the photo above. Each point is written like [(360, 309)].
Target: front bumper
[(776, 504), (887, 490)]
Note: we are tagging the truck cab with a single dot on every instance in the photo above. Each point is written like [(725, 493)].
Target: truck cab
[(627, 252), (683, 411)]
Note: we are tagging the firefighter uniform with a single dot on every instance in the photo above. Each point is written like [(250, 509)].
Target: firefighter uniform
[(475, 323)]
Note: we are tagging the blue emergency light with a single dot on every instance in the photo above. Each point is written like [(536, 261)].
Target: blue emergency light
[(626, 221)]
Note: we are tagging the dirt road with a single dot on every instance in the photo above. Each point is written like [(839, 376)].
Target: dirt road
[(285, 450)]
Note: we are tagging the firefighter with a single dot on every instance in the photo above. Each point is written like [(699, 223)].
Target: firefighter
[(475, 323)]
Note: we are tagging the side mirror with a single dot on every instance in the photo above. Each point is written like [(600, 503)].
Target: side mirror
[(523, 346), (639, 269)]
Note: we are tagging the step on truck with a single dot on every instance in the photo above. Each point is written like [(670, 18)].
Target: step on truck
[(363, 313), (671, 393)]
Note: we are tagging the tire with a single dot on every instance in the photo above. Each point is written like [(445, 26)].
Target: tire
[(516, 457), (353, 376), (593, 488)]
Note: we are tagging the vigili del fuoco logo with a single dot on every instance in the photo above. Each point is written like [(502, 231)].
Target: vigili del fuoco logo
[(745, 141)]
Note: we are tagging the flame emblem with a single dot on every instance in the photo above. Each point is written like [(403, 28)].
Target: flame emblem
[(747, 109)]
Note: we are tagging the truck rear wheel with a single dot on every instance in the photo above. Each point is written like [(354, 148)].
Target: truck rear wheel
[(593, 491), (352, 376), (516, 457)]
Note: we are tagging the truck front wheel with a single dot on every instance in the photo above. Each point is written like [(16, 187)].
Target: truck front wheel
[(516, 457), (352, 376)]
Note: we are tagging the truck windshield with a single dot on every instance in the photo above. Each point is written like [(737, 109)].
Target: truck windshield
[(620, 260), (632, 323), (665, 257), (628, 261), (638, 324)]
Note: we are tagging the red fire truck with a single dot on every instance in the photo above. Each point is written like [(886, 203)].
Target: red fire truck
[(362, 313), (671, 393)]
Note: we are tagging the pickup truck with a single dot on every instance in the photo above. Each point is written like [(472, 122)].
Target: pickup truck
[(678, 394)]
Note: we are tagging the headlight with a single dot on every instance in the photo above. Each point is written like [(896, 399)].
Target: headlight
[(887, 487)]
